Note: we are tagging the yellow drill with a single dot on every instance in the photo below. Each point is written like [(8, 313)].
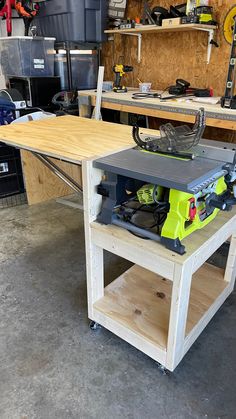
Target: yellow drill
[(120, 70)]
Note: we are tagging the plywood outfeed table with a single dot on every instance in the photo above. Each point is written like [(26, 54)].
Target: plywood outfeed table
[(67, 141), (171, 109), (164, 301)]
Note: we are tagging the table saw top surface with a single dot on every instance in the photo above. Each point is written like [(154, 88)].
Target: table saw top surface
[(185, 175), (69, 138)]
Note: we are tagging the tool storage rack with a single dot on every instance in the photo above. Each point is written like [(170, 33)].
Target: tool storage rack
[(165, 300)]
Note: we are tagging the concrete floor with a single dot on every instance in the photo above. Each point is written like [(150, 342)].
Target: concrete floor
[(53, 366)]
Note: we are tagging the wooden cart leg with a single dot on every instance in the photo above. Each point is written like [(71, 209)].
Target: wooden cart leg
[(94, 254), (230, 270), (178, 313), (95, 275)]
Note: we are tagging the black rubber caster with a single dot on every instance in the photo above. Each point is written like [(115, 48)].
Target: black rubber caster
[(94, 326), (162, 369)]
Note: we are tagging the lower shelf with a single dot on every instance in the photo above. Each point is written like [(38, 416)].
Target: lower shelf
[(140, 301)]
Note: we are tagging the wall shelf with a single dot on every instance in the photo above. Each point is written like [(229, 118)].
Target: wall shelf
[(146, 29)]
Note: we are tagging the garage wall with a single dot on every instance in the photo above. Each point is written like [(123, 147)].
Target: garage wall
[(168, 56)]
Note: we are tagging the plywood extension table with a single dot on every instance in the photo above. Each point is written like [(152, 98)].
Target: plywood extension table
[(69, 139), (163, 303)]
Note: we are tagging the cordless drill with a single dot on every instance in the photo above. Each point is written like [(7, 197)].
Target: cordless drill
[(120, 70)]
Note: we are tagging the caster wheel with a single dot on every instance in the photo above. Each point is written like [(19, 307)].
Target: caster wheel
[(94, 326), (162, 369)]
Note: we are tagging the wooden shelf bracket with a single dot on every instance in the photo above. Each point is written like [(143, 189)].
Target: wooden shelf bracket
[(210, 39), (139, 36)]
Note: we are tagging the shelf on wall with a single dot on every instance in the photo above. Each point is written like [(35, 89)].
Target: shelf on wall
[(154, 28), (146, 29)]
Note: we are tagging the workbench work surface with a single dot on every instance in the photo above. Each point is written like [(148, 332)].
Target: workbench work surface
[(174, 109), (69, 138)]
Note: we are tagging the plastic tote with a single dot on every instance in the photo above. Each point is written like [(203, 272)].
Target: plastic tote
[(73, 20), (27, 56)]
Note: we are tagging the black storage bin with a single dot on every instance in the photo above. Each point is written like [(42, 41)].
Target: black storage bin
[(84, 69), (37, 91), (73, 20), (11, 177)]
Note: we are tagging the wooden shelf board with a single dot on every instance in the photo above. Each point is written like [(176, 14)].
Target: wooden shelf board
[(155, 29), (140, 301)]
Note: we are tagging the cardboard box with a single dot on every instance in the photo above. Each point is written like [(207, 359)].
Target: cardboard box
[(171, 22)]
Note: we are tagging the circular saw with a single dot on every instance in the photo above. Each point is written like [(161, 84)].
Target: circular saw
[(229, 24)]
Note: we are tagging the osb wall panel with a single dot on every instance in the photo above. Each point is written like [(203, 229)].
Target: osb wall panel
[(168, 56)]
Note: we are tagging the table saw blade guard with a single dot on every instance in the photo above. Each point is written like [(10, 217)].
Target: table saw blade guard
[(173, 140)]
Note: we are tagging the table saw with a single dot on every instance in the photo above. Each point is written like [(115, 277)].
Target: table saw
[(180, 192)]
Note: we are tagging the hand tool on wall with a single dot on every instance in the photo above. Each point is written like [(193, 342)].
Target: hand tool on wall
[(147, 15), (229, 99), (228, 25), (120, 70)]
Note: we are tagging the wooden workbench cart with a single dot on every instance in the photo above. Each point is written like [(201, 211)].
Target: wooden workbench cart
[(165, 300)]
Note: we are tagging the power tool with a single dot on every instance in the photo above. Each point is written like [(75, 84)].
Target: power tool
[(205, 15), (168, 186), (196, 13), (179, 88), (120, 70), (182, 87)]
